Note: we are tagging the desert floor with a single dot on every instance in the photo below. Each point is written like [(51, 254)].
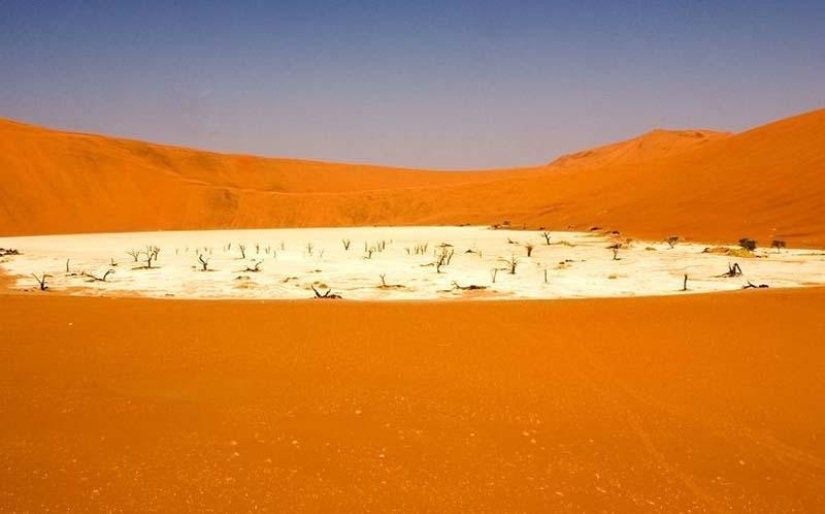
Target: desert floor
[(392, 263), (693, 403)]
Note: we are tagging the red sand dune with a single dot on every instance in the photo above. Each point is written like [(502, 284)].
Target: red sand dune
[(764, 183), (705, 403)]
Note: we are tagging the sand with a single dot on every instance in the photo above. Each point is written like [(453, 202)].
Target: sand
[(384, 263), (703, 403), (764, 183)]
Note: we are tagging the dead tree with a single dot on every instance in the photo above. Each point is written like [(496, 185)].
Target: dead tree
[(778, 244), (672, 240), (242, 249), (615, 247), (134, 254), (733, 270), (546, 236), (204, 263), (444, 257), (440, 262), (494, 274), (346, 243), (310, 247), (512, 262), (151, 254), (255, 267), (41, 280), (529, 248), (754, 286), (95, 278), (684, 284), (329, 295)]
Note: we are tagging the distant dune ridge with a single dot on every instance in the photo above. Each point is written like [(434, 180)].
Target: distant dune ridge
[(703, 185)]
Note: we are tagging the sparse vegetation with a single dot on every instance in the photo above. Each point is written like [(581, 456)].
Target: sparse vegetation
[(778, 245), (747, 244)]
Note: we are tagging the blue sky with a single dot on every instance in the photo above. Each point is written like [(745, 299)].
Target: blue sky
[(424, 84)]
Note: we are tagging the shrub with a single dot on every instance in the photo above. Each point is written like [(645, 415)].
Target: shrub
[(747, 244)]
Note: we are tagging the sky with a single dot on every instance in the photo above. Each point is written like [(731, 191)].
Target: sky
[(432, 84)]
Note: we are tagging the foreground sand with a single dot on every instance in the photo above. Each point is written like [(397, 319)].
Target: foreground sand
[(704, 403)]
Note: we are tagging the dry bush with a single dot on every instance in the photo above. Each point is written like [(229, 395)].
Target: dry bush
[(41, 280)]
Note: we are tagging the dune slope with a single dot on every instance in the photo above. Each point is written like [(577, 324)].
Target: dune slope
[(764, 183)]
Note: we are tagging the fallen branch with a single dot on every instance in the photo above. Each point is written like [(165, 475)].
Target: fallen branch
[(95, 278), (329, 295), (471, 287)]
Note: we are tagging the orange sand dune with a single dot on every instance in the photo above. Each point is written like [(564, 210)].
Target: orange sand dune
[(678, 404), (653, 145), (762, 183)]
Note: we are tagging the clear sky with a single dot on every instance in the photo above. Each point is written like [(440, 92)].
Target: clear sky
[(426, 83)]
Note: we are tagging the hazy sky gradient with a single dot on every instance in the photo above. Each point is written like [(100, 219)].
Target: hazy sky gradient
[(410, 83)]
